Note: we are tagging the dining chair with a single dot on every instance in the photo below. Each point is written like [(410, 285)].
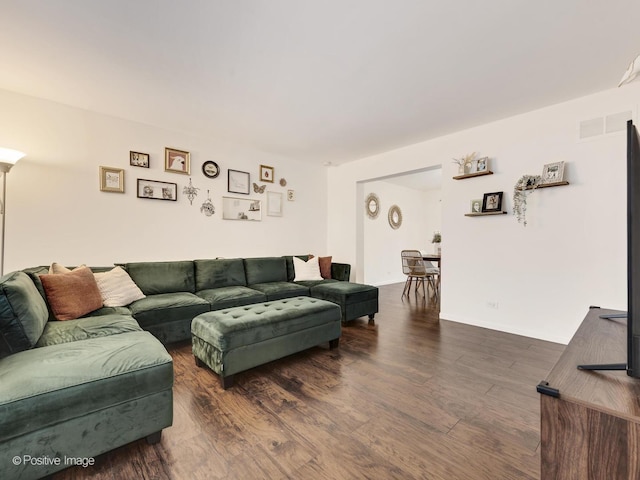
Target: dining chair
[(414, 267)]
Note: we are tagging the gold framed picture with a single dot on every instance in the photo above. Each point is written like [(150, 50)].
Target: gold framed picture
[(266, 173), (177, 161), (111, 179)]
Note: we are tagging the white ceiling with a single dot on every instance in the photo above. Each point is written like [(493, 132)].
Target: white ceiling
[(331, 80)]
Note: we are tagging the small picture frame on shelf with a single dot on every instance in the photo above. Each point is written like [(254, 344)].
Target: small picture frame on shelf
[(476, 206), (482, 164), (156, 190), (237, 182), (111, 179), (177, 161), (266, 173), (138, 159), (492, 202), (553, 172)]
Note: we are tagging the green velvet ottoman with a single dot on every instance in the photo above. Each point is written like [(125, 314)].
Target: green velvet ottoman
[(355, 299), (235, 339)]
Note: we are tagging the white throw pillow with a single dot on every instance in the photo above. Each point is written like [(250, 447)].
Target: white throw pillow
[(309, 270), (117, 288)]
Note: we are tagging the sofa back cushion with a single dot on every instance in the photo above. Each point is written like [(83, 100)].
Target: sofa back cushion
[(162, 277), (220, 272), (265, 270), (23, 313)]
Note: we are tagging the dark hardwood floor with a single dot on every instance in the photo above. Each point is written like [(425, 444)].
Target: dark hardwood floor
[(408, 397)]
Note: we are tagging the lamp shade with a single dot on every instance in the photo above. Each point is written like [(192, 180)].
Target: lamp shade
[(8, 158)]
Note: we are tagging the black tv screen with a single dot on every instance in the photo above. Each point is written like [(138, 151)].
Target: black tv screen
[(632, 366), (633, 251)]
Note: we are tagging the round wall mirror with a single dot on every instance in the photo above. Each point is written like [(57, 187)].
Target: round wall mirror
[(395, 217), (372, 205)]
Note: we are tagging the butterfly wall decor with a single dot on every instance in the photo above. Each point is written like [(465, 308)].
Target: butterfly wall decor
[(258, 189)]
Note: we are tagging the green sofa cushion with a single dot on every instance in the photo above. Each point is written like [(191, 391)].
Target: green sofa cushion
[(66, 383), (265, 269), (228, 297), (162, 277), (219, 273), (84, 328), (165, 308), (23, 313), (279, 290), (313, 283)]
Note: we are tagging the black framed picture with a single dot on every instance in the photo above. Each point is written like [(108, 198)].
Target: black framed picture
[(156, 190), (138, 159), (238, 182), (492, 202)]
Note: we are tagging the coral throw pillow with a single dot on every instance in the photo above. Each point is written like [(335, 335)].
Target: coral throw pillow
[(325, 266), (72, 295)]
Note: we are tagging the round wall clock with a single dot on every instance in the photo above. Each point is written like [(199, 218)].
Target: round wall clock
[(210, 169)]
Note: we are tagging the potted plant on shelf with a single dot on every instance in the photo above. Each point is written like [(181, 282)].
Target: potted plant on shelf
[(436, 240), (523, 187)]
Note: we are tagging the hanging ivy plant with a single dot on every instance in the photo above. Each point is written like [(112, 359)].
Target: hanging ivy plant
[(523, 187)]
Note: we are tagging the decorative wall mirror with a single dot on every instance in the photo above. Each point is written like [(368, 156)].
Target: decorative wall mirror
[(241, 209), (395, 217), (372, 205)]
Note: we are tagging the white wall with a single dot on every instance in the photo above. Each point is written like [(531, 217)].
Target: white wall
[(382, 244), (543, 277), (55, 211)]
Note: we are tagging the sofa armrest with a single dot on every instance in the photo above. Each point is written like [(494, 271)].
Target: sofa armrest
[(341, 271)]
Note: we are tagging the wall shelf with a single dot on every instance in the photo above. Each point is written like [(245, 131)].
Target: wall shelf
[(471, 175), (482, 214), (546, 185)]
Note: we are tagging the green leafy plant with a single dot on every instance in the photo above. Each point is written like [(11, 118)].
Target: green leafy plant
[(523, 187), (437, 237)]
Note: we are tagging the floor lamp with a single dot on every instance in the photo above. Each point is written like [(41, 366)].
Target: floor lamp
[(8, 159)]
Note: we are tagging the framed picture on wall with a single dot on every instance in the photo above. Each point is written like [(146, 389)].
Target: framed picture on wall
[(156, 190), (274, 204), (137, 159), (266, 173), (238, 182), (492, 202), (177, 161), (111, 179)]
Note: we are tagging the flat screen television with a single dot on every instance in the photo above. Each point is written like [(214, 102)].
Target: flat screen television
[(632, 366)]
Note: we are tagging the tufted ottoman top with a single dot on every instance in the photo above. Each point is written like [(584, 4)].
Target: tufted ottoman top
[(241, 326)]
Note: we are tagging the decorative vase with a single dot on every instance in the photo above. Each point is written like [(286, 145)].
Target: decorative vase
[(437, 249), (461, 169)]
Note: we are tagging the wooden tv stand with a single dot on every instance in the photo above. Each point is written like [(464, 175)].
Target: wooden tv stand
[(591, 430)]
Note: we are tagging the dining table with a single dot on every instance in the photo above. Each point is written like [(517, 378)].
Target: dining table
[(432, 257)]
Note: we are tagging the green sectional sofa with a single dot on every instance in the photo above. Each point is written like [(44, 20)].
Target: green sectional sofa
[(81, 387), (74, 388)]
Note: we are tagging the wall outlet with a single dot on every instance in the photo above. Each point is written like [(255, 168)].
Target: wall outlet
[(492, 304)]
